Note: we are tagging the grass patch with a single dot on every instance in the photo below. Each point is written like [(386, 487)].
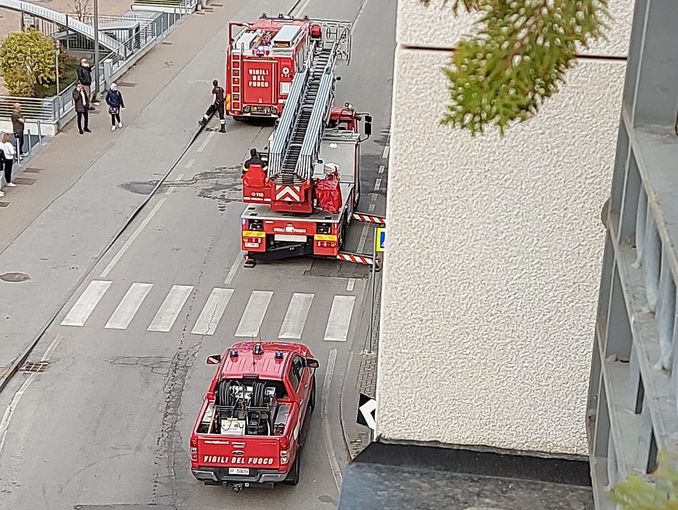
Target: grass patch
[(69, 74)]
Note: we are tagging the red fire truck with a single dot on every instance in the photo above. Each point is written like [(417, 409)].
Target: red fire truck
[(302, 200), (263, 58), (252, 420)]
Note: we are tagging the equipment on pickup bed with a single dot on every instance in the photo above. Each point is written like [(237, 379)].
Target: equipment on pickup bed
[(251, 425), (303, 201)]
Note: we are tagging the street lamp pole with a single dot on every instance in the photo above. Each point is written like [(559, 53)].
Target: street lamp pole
[(56, 57), (96, 48)]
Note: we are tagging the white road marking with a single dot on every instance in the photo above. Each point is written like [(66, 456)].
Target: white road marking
[(129, 306), (340, 319), (251, 320), (350, 285), (9, 412), (377, 185), (211, 314), (370, 208), (131, 239), (170, 189), (170, 308), (373, 197), (295, 318), (207, 140), (386, 151), (190, 163), (363, 238), (302, 7), (52, 347), (86, 303), (381, 169), (360, 13), (324, 414), (234, 269)]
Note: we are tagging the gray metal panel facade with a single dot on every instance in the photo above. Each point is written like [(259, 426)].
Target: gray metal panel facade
[(632, 413)]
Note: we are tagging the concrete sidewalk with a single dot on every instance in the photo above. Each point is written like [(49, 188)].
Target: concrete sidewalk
[(55, 229)]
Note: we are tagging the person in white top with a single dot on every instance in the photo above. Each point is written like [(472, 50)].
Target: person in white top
[(8, 152)]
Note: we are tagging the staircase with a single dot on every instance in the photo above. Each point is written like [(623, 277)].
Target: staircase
[(289, 165)]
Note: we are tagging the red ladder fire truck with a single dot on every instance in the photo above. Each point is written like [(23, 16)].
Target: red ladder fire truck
[(302, 202), (263, 58)]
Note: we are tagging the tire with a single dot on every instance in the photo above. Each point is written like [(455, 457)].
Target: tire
[(293, 475)]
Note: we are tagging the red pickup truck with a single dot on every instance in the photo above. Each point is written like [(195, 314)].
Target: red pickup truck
[(250, 426)]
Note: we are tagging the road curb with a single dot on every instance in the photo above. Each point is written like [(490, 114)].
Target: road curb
[(349, 395)]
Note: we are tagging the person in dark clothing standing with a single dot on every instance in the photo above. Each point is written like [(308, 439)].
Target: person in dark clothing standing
[(115, 103), (81, 102), (85, 78), (18, 123), (217, 106), (255, 159)]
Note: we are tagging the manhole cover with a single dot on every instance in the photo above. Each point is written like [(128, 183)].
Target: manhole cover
[(33, 367), (14, 277)]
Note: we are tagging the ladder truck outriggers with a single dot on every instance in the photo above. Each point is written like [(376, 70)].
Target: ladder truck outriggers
[(302, 199)]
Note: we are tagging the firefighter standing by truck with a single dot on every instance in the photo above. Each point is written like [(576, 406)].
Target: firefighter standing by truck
[(217, 106)]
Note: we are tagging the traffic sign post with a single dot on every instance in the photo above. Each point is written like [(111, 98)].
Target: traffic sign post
[(380, 239), (367, 412)]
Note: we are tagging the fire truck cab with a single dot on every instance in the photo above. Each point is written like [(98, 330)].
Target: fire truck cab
[(263, 58)]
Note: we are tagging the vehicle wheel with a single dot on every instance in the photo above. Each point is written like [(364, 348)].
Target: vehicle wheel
[(311, 401), (293, 475)]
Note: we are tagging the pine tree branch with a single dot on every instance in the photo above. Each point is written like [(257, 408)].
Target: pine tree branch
[(517, 58)]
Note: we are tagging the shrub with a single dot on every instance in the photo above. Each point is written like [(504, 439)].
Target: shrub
[(27, 60)]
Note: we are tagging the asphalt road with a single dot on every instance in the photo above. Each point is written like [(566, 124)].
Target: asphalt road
[(108, 422)]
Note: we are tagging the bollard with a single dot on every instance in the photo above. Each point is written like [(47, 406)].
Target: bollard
[(17, 156), (30, 142), (39, 133)]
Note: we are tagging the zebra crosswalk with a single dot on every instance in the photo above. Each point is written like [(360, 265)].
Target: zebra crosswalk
[(214, 309)]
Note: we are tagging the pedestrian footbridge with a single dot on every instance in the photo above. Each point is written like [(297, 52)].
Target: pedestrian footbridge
[(59, 18)]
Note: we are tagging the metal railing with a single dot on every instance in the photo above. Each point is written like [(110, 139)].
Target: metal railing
[(113, 63)]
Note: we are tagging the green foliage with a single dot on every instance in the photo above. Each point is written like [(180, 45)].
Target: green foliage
[(658, 491), (517, 58), (27, 60)]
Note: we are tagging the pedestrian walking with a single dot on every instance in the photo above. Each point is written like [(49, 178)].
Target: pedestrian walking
[(18, 123), (217, 106), (8, 154), (81, 102), (85, 78), (115, 104)]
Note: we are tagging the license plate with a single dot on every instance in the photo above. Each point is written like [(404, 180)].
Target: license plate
[(251, 245), (238, 471)]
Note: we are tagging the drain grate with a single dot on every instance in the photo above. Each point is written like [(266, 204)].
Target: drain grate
[(4, 204), (35, 367), (33, 170), (126, 84), (26, 181)]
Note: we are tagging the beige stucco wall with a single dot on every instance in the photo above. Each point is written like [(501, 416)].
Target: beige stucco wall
[(490, 289)]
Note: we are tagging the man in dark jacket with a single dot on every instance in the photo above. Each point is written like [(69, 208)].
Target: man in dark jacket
[(217, 106), (255, 159), (85, 78), (81, 102), (18, 123)]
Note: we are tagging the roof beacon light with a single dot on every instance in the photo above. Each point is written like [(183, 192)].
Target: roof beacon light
[(258, 348), (316, 31), (234, 353), (278, 355)]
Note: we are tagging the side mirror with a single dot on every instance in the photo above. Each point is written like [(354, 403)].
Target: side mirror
[(215, 359), (368, 125), (312, 363)]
